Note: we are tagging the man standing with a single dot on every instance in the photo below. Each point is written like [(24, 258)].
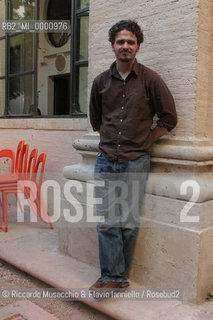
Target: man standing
[(124, 100)]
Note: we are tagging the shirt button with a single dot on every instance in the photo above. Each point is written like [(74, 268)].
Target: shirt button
[(119, 132), (121, 120), (119, 145), (124, 96), (122, 108)]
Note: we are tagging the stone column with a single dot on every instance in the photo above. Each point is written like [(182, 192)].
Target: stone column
[(175, 239)]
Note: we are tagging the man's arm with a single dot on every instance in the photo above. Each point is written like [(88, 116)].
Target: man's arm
[(95, 107), (164, 106), (158, 132)]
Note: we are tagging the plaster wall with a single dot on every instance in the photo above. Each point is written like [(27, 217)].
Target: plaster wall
[(52, 136), (55, 136)]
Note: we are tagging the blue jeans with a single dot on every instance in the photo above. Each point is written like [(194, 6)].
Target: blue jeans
[(119, 190)]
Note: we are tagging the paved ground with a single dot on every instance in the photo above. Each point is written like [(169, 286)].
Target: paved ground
[(12, 278), (34, 250), (24, 310)]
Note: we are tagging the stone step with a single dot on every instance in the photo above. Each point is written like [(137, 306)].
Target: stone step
[(34, 250)]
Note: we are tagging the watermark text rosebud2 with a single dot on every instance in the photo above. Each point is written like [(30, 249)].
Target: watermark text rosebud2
[(81, 201), (194, 186), (71, 191)]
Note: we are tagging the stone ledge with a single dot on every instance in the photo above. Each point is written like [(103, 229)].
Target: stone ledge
[(34, 250)]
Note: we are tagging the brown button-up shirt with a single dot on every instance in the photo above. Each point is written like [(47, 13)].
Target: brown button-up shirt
[(123, 111)]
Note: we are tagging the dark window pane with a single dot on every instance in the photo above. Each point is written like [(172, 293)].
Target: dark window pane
[(21, 94), (2, 58), (62, 94), (59, 10), (83, 27), (82, 75), (2, 96), (22, 10), (82, 4), (21, 53)]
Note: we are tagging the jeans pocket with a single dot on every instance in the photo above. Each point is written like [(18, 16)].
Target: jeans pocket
[(99, 154)]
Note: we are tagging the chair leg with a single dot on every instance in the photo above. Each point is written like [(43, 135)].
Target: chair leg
[(40, 209), (4, 201), (38, 205), (32, 203), (43, 209), (0, 213), (19, 203)]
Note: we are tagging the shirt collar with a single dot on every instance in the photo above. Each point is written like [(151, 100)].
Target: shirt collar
[(113, 69)]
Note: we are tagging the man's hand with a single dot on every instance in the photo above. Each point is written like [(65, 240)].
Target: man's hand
[(158, 132)]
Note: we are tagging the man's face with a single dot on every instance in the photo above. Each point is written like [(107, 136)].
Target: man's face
[(125, 46)]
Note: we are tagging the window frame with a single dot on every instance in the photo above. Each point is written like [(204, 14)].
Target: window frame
[(74, 64), (19, 74), (4, 77)]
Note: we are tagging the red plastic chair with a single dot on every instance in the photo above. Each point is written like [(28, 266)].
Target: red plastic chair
[(30, 169), (21, 152), (19, 157), (7, 153), (20, 168), (32, 159), (22, 165), (11, 185), (38, 206), (9, 181)]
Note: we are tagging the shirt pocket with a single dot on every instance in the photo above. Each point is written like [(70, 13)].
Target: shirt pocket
[(139, 94), (139, 104)]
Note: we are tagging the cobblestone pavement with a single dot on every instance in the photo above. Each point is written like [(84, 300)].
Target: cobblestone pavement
[(11, 278)]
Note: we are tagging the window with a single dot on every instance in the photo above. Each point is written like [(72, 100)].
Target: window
[(79, 63), (18, 81), (58, 10), (19, 65), (2, 75)]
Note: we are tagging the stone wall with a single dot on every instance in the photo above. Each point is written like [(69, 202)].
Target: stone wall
[(170, 45), (204, 102)]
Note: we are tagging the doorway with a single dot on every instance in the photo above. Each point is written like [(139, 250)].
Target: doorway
[(61, 105)]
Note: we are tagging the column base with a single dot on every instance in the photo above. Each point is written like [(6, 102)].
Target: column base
[(175, 238)]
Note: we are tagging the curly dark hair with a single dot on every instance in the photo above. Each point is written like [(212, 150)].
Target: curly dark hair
[(129, 25)]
